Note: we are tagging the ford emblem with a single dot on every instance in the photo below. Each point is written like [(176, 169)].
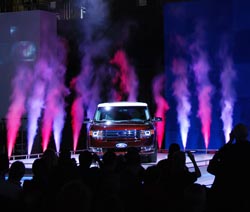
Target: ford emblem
[(121, 145)]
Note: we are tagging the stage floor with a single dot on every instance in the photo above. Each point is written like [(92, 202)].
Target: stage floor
[(202, 159)]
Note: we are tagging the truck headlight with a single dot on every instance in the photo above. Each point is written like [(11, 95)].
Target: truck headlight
[(96, 134), (146, 133)]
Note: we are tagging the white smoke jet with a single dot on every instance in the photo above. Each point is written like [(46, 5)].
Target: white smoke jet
[(204, 88), (181, 93), (58, 124), (36, 102), (35, 105), (228, 94), (54, 113)]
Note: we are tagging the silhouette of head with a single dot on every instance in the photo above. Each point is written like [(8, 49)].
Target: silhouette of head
[(109, 157), (174, 147), (85, 158), (240, 131), (16, 171), (132, 156), (179, 159)]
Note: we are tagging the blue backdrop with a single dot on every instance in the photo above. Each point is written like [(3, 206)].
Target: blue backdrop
[(214, 26)]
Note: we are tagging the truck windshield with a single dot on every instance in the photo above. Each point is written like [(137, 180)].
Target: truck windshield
[(122, 113)]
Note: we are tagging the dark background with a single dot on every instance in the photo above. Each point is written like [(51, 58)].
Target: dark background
[(151, 51)]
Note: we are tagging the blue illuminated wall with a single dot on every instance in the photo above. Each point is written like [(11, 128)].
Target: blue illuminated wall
[(22, 34), (215, 25)]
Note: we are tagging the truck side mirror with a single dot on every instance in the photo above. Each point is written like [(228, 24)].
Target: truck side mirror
[(87, 120), (157, 119)]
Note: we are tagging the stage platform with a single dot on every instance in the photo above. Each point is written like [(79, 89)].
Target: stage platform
[(202, 158)]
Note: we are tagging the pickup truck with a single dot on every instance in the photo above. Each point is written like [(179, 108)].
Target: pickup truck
[(118, 126)]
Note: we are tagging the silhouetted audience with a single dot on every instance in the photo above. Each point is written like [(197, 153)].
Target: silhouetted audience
[(36, 190), (152, 186), (180, 178), (10, 186), (51, 159), (107, 196), (64, 171), (16, 173), (231, 187), (132, 177), (85, 159), (73, 196), (120, 183), (164, 164), (88, 170), (195, 198), (109, 179)]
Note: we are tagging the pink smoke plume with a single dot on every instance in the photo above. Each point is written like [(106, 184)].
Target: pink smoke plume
[(203, 86), (77, 118), (21, 86), (125, 78), (36, 99), (181, 93), (77, 110), (54, 111), (46, 99), (161, 106), (87, 83), (54, 114), (228, 93)]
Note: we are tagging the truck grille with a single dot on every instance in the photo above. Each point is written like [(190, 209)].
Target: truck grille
[(121, 134)]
